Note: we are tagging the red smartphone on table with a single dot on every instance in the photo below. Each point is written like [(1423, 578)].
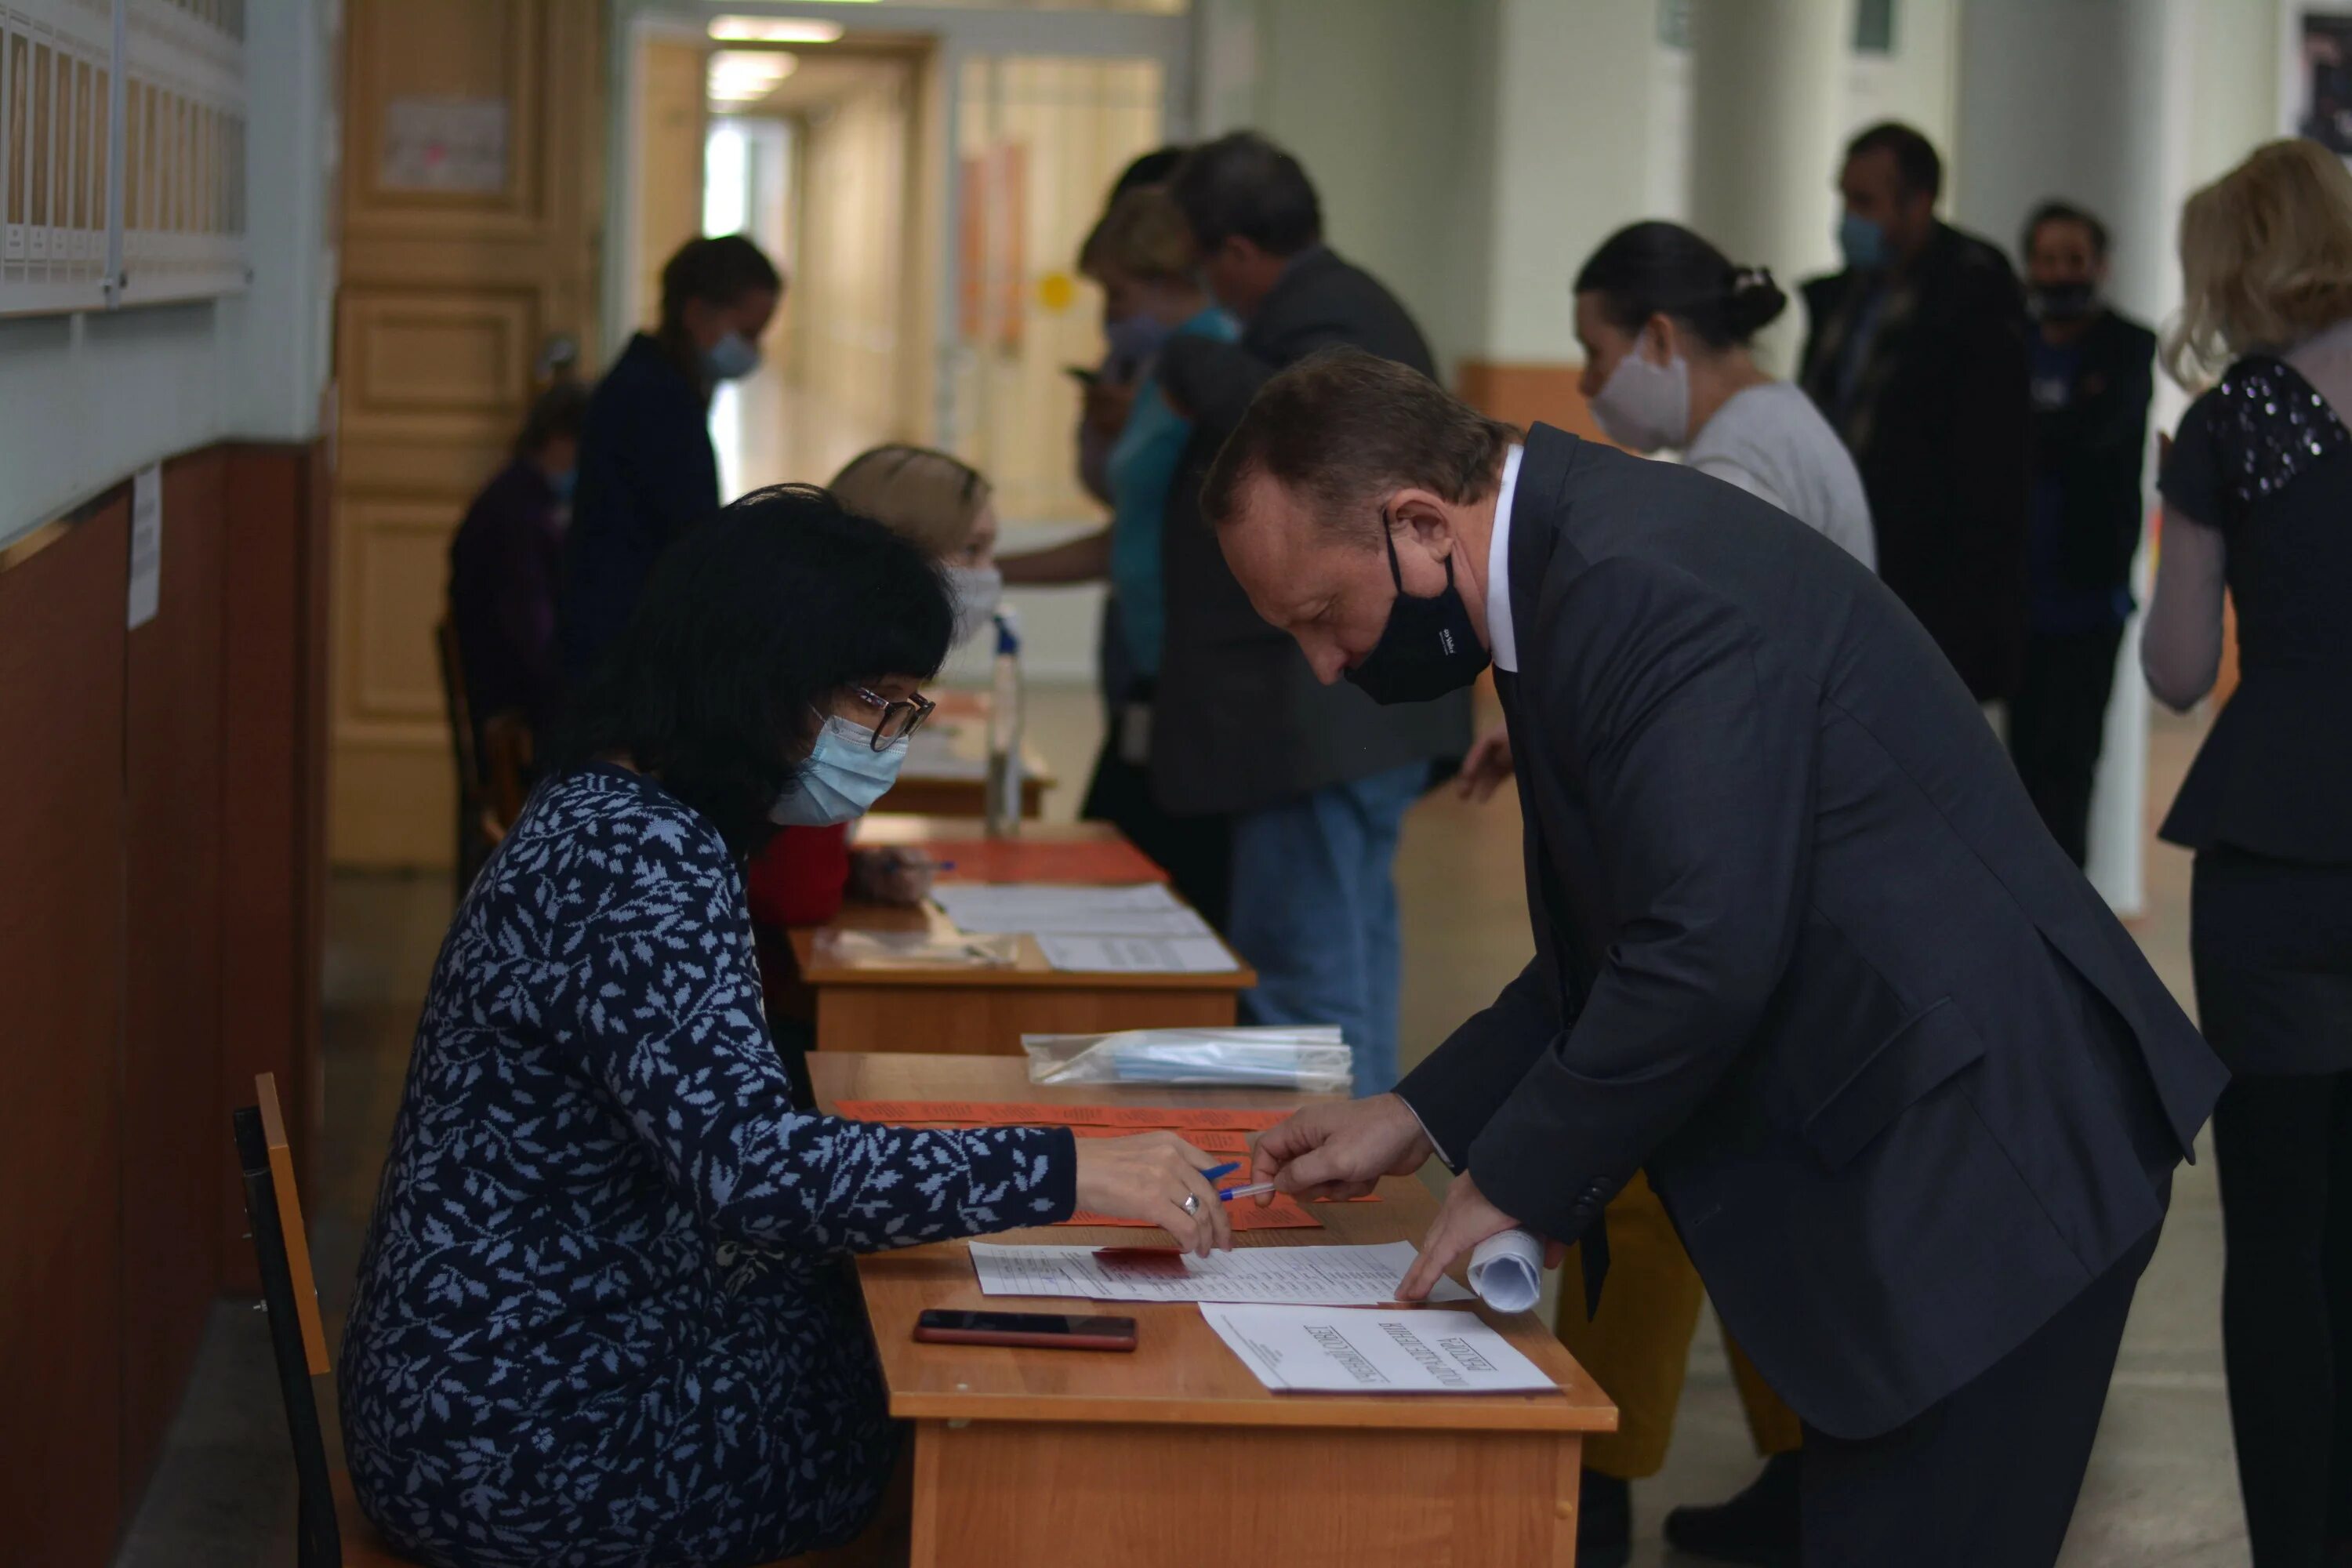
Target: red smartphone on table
[(1025, 1331)]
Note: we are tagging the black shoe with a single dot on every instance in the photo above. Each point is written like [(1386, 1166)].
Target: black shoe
[(1758, 1526), (1605, 1524)]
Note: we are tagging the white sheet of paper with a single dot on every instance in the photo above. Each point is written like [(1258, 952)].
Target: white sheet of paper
[(1507, 1270), (1361, 1350), (1138, 955), (1053, 908), (1312, 1276), (146, 545)]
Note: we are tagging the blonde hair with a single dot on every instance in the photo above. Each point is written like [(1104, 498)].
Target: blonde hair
[(919, 494), (1145, 236), (2266, 258)]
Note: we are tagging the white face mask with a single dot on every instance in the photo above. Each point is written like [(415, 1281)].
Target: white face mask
[(842, 779), (978, 592), (1645, 405)]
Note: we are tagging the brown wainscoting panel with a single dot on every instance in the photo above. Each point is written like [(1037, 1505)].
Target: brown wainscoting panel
[(62, 961), (272, 864), (1523, 394), (175, 1156)]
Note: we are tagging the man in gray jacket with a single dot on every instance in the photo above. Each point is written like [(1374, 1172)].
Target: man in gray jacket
[(1317, 778)]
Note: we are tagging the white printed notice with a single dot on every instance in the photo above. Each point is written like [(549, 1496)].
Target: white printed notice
[(1318, 1349), (1138, 955), (1308, 1275), (146, 545)]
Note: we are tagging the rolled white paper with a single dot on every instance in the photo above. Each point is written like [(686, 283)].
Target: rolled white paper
[(1507, 1270)]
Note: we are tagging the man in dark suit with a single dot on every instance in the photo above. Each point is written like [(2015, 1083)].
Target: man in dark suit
[(1317, 779), (1916, 354), (1804, 952), (2092, 379)]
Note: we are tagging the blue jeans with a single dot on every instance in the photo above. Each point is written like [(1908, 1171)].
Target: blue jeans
[(1315, 913)]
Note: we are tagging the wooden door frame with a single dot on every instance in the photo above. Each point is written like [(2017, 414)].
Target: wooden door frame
[(958, 34)]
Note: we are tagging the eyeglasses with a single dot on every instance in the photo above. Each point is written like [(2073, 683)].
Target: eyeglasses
[(900, 718)]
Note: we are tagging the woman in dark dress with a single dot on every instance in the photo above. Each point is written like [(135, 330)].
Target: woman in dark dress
[(602, 1317), (647, 469), (2258, 499)]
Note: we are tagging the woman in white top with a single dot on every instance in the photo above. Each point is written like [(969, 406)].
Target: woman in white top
[(1666, 319)]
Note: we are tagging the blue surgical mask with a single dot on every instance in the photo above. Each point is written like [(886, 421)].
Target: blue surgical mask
[(1862, 242), (731, 357), (842, 779), (1137, 338), (563, 482)]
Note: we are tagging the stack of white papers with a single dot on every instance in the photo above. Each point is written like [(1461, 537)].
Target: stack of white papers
[(1314, 1275), (1053, 908), (1320, 1350), (1202, 954)]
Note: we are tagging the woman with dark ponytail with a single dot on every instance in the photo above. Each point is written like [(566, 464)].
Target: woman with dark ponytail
[(1665, 319), (647, 471)]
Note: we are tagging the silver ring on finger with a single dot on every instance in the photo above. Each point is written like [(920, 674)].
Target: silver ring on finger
[(1191, 1204)]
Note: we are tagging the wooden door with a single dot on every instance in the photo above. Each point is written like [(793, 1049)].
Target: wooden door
[(472, 188)]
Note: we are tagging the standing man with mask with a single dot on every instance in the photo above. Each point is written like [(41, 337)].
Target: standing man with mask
[(2093, 377), (1318, 778), (647, 469), (1917, 355), (1803, 953)]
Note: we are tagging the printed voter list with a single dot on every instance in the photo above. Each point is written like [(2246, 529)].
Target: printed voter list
[(1343, 1350)]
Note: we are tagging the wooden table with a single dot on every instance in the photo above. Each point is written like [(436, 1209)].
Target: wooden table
[(881, 1004), (945, 772), (1176, 1456)]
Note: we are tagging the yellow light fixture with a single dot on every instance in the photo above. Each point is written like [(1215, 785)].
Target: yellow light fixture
[(742, 75), (773, 30)]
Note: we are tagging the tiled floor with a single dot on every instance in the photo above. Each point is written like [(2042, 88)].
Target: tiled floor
[(2161, 1491)]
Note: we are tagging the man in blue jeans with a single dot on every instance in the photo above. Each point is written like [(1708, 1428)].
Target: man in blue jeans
[(1317, 779)]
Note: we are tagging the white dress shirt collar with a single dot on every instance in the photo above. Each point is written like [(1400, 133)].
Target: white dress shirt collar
[(1503, 643)]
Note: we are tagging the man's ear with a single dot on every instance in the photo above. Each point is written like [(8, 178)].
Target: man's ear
[(1424, 519)]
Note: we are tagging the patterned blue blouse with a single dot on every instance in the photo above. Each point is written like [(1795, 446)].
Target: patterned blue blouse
[(602, 1317)]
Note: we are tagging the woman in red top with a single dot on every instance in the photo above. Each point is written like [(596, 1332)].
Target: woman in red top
[(805, 873)]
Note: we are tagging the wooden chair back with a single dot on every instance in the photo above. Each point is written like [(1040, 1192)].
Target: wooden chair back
[(506, 759)]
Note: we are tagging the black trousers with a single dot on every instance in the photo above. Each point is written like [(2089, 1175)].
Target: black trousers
[(1986, 1476), (2056, 722), (2283, 1149), (1197, 852)]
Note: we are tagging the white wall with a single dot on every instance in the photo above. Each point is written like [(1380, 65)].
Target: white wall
[(89, 399)]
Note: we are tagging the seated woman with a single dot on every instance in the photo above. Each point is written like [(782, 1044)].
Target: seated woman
[(602, 1315), (945, 507)]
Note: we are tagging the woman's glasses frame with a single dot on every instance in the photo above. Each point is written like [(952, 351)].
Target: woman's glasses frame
[(900, 718)]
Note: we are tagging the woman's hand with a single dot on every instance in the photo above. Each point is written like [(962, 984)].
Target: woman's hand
[(1488, 765), (891, 876), (1148, 1177)]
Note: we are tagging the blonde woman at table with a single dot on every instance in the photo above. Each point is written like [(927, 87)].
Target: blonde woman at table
[(602, 1315)]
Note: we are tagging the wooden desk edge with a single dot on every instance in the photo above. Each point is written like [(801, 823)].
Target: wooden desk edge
[(1555, 1412)]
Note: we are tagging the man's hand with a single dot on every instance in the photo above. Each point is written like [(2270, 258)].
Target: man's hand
[(1339, 1151), (1465, 1220), (1486, 767)]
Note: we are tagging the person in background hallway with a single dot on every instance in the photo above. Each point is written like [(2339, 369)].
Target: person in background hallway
[(1916, 353), (801, 878), (1111, 390), (1664, 319), (1802, 951), (647, 471), (2258, 499), (2093, 377), (1141, 254), (505, 563), (1317, 778), (601, 1315)]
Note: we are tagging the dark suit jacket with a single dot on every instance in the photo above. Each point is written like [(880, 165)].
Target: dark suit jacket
[(1940, 428), (503, 567), (647, 472), (1239, 722), (2095, 448), (1804, 949)]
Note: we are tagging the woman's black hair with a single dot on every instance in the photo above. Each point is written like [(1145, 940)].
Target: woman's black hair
[(752, 623), (1663, 268), (716, 270)]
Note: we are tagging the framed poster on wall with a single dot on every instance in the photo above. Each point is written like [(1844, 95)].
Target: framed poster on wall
[(122, 162)]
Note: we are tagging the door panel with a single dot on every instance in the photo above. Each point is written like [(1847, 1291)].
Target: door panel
[(472, 189)]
